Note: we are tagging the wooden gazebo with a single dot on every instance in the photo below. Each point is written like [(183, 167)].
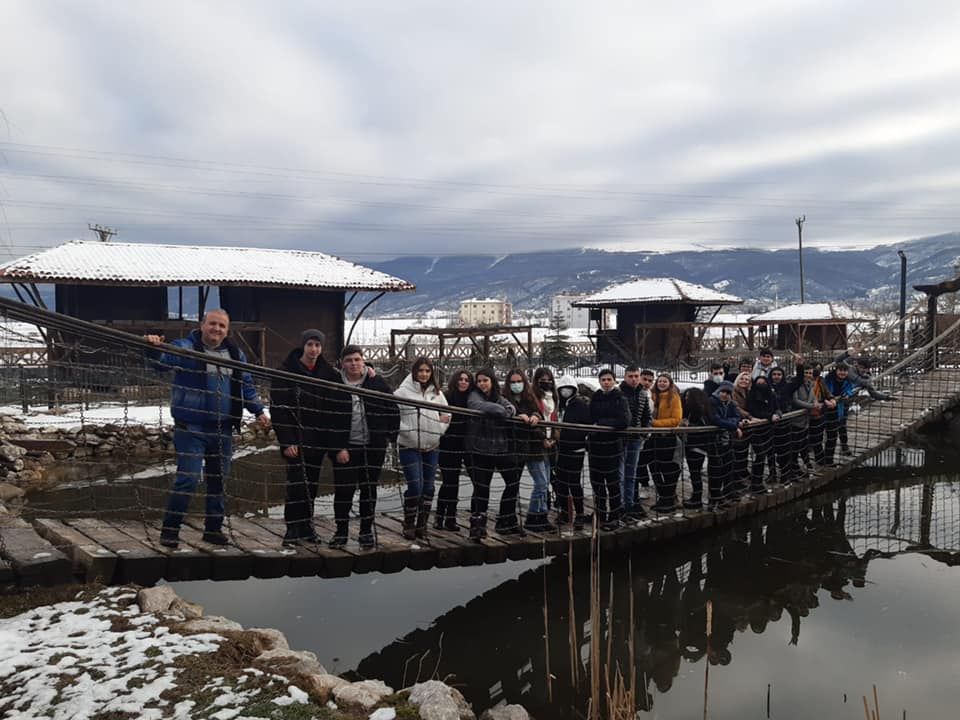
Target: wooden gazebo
[(271, 295), (656, 319), (815, 326)]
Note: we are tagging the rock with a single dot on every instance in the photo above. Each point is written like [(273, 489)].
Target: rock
[(9, 492), (506, 712), (286, 661), (438, 701), (384, 713), (156, 599), (46, 458), (16, 465), (209, 624), (186, 609), (365, 693), (267, 639), (322, 685)]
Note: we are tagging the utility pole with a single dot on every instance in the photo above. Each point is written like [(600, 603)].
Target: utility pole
[(105, 233), (800, 221), (903, 298)]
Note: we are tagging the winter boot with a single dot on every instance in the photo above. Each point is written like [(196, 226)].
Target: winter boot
[(339, 538), (450, 523), (478, 527), (423, 514), (410, 517)]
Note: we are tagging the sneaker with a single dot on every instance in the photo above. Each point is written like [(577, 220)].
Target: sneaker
[(337, 541), (366, 540), (311, 538), (215, 537), (290, 538), (170, 540), (610, 525), (580, 521), (450, 525)]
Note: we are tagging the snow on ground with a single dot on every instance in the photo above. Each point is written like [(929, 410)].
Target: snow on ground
[(101, 656), (155, 415), (65, 660)]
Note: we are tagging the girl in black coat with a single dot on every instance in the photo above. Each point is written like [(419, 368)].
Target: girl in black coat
[(696, 445), (571, 452), (453, 456), (762, 406)]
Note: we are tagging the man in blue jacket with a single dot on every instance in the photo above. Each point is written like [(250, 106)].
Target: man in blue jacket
[(206, 402)]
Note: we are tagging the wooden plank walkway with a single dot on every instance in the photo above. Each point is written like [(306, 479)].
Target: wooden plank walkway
[(54, 551)]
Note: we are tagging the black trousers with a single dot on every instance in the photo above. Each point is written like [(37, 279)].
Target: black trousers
[(696, 456), (605, 481), (481, 473), (361, 471), (720, 471), (569, 484), (303, 476), (761, 440), (451, 460), (665, 471)]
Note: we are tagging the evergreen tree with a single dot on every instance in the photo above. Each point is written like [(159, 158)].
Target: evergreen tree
[(555, 349)]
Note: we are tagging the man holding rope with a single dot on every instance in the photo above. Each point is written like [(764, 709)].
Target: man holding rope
[(206, 402)]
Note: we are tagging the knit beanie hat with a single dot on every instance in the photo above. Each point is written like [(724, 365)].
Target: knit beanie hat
[(312, 334)]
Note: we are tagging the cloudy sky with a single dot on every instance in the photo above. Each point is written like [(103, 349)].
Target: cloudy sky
[(372, 129)]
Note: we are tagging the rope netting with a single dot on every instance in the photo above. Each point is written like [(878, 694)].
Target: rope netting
[(166, 434)]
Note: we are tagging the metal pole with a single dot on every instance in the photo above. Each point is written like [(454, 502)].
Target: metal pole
[(903, 297), (800, 221)]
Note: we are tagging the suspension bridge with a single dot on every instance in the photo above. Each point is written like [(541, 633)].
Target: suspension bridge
[(49, 546)]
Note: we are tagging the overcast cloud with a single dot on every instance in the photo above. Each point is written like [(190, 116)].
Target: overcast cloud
[(374, 129)]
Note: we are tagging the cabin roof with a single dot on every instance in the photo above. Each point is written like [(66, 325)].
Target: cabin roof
[(809, 313), (115, 263), (657, 290)]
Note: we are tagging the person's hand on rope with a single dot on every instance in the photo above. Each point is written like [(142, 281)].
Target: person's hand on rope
[(155, 339), (291, 452), (343, 456), (263, 420)]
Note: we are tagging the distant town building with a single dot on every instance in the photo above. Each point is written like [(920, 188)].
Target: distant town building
[(573, 317), (488, 311)]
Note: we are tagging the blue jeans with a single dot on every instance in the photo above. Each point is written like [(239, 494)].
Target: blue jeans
[(628, 470), (540, 472), (202, 450), (419, 468)]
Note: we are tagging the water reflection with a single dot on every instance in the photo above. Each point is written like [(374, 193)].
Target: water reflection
[(819, 601)]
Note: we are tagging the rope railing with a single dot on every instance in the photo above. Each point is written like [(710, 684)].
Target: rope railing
[(366, 438)]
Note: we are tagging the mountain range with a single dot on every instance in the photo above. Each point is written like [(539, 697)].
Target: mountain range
[(866, 277)]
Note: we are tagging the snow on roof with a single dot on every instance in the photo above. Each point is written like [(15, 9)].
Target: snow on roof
[(115, 263), (824, 312), (657, 290)]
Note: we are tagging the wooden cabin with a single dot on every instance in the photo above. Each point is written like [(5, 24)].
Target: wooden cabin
[(649, 320), (271, 295), (809, 326)]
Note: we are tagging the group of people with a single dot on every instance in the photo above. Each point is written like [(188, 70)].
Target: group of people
[(737, 432)]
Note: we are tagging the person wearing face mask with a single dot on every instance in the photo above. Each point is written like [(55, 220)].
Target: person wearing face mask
[(490, 444), (723, 414), (783, 459), (763, 409), (571, 452), (529, 441), (608, 408), (804, 398), (717, 375), (545, 392), (418, 444), (453, 456)]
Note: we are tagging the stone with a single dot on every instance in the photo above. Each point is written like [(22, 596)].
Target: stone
[(156, 599), (322, 685), (209, 624), (436, 700), (267, 639), (186, 609), (384, 713), (9, 492), (365, 693), (506, 712), (287, 662)]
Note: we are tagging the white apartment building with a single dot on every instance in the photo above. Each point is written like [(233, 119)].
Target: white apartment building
[(488, 311), (573, 317)]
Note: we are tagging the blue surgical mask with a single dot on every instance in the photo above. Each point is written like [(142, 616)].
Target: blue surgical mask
[(718, 376), (516, 388)]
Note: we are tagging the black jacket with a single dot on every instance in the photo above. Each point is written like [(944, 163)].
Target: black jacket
[(452, 440), (610, 410), (304, 414), (762, 402), (639, 401), (383, 416), (784, 391), (576, 410)]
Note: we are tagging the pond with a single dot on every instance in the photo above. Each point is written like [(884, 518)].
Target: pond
[(811, 607)]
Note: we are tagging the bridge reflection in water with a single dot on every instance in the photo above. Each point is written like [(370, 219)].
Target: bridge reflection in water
[(775, 571)]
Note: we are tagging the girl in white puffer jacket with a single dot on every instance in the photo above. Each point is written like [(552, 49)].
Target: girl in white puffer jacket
[(418, 444)]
